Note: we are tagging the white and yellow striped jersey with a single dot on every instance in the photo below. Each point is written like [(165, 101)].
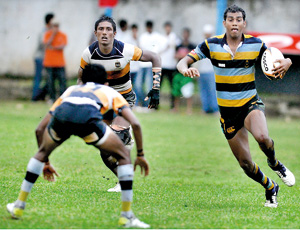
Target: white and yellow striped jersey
[(116, 63)]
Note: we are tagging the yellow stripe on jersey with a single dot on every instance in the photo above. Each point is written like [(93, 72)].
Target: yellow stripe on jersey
[(194, 55), (83, 63), (137, 54), (56, 103), (221, 56), (126, 91), (235, 79), (233, 103), (246, 55), (119, 102), (248, 36), (103, 98), (118, 74)]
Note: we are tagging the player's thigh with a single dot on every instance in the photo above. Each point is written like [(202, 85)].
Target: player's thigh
[(47, 146), (239, 145), (256, 124), (111, 143)]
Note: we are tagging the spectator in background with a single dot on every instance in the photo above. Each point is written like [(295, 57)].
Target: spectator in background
[(134, 65), (54, 62), (168, 60), (123, 34), (37, 93), (206, 82), (183, 86), (149, 40)]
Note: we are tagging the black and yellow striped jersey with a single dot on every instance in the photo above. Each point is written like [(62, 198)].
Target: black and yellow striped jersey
[(116, 63), (234, 74)]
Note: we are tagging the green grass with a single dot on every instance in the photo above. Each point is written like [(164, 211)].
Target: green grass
[(194, 182)]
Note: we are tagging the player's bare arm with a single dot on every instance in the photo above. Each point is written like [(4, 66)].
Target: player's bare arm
[(79, 81), (128, 115), (185, 70), (39, 131)]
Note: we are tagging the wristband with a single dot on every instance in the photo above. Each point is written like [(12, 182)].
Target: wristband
[(156, 77), (140, 154)]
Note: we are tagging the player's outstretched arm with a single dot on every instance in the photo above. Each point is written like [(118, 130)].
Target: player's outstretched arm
[(153, 95), (185, 70), (128, 115), (39, 131)]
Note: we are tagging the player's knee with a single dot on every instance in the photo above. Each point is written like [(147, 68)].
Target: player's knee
[(262, 139), (246, 165)]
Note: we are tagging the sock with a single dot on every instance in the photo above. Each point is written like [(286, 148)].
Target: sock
[(270, 153), (34, 169), (258, 176), (125, 175)]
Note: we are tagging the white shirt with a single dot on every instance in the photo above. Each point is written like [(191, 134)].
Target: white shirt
[(168, 55), (152, 42)]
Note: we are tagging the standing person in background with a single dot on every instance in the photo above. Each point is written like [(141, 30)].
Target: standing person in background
[(149, 40), (54, 62), (168, 60), (134, 65), (37, 93), (206, 82), (122, 32), (182, 86), (234, 55)]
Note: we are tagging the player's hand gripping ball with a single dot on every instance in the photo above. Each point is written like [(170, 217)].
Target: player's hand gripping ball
[(268, 62)]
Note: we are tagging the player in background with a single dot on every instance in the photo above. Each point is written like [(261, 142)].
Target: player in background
[(79, 111), (115, 56), (233, 56)]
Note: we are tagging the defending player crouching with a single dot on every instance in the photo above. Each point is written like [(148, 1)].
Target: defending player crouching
[(79, 111)]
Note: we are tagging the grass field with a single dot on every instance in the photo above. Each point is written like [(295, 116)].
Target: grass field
[(194, 182)]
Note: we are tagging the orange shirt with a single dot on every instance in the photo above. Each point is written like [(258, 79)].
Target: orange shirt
[(53, 57)]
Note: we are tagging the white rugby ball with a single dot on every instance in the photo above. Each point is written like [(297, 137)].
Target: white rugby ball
[(268, 62)]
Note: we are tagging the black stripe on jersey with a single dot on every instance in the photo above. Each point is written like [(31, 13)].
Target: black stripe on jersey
[(205, 50), (233, 63), (119, 81), (31, 177), (235, 87)]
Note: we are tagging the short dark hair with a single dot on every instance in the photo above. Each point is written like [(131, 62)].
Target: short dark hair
[(48, 17), (122, 23), (234, 9), (168, 24), (149, 24), (134, 26), (94, 73), (106, 19)]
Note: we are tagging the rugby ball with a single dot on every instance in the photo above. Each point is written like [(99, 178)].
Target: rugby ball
[(267, 62)]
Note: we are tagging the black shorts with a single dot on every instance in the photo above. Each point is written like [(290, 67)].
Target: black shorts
[(130, 98), (84, 121), (232, 123)]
